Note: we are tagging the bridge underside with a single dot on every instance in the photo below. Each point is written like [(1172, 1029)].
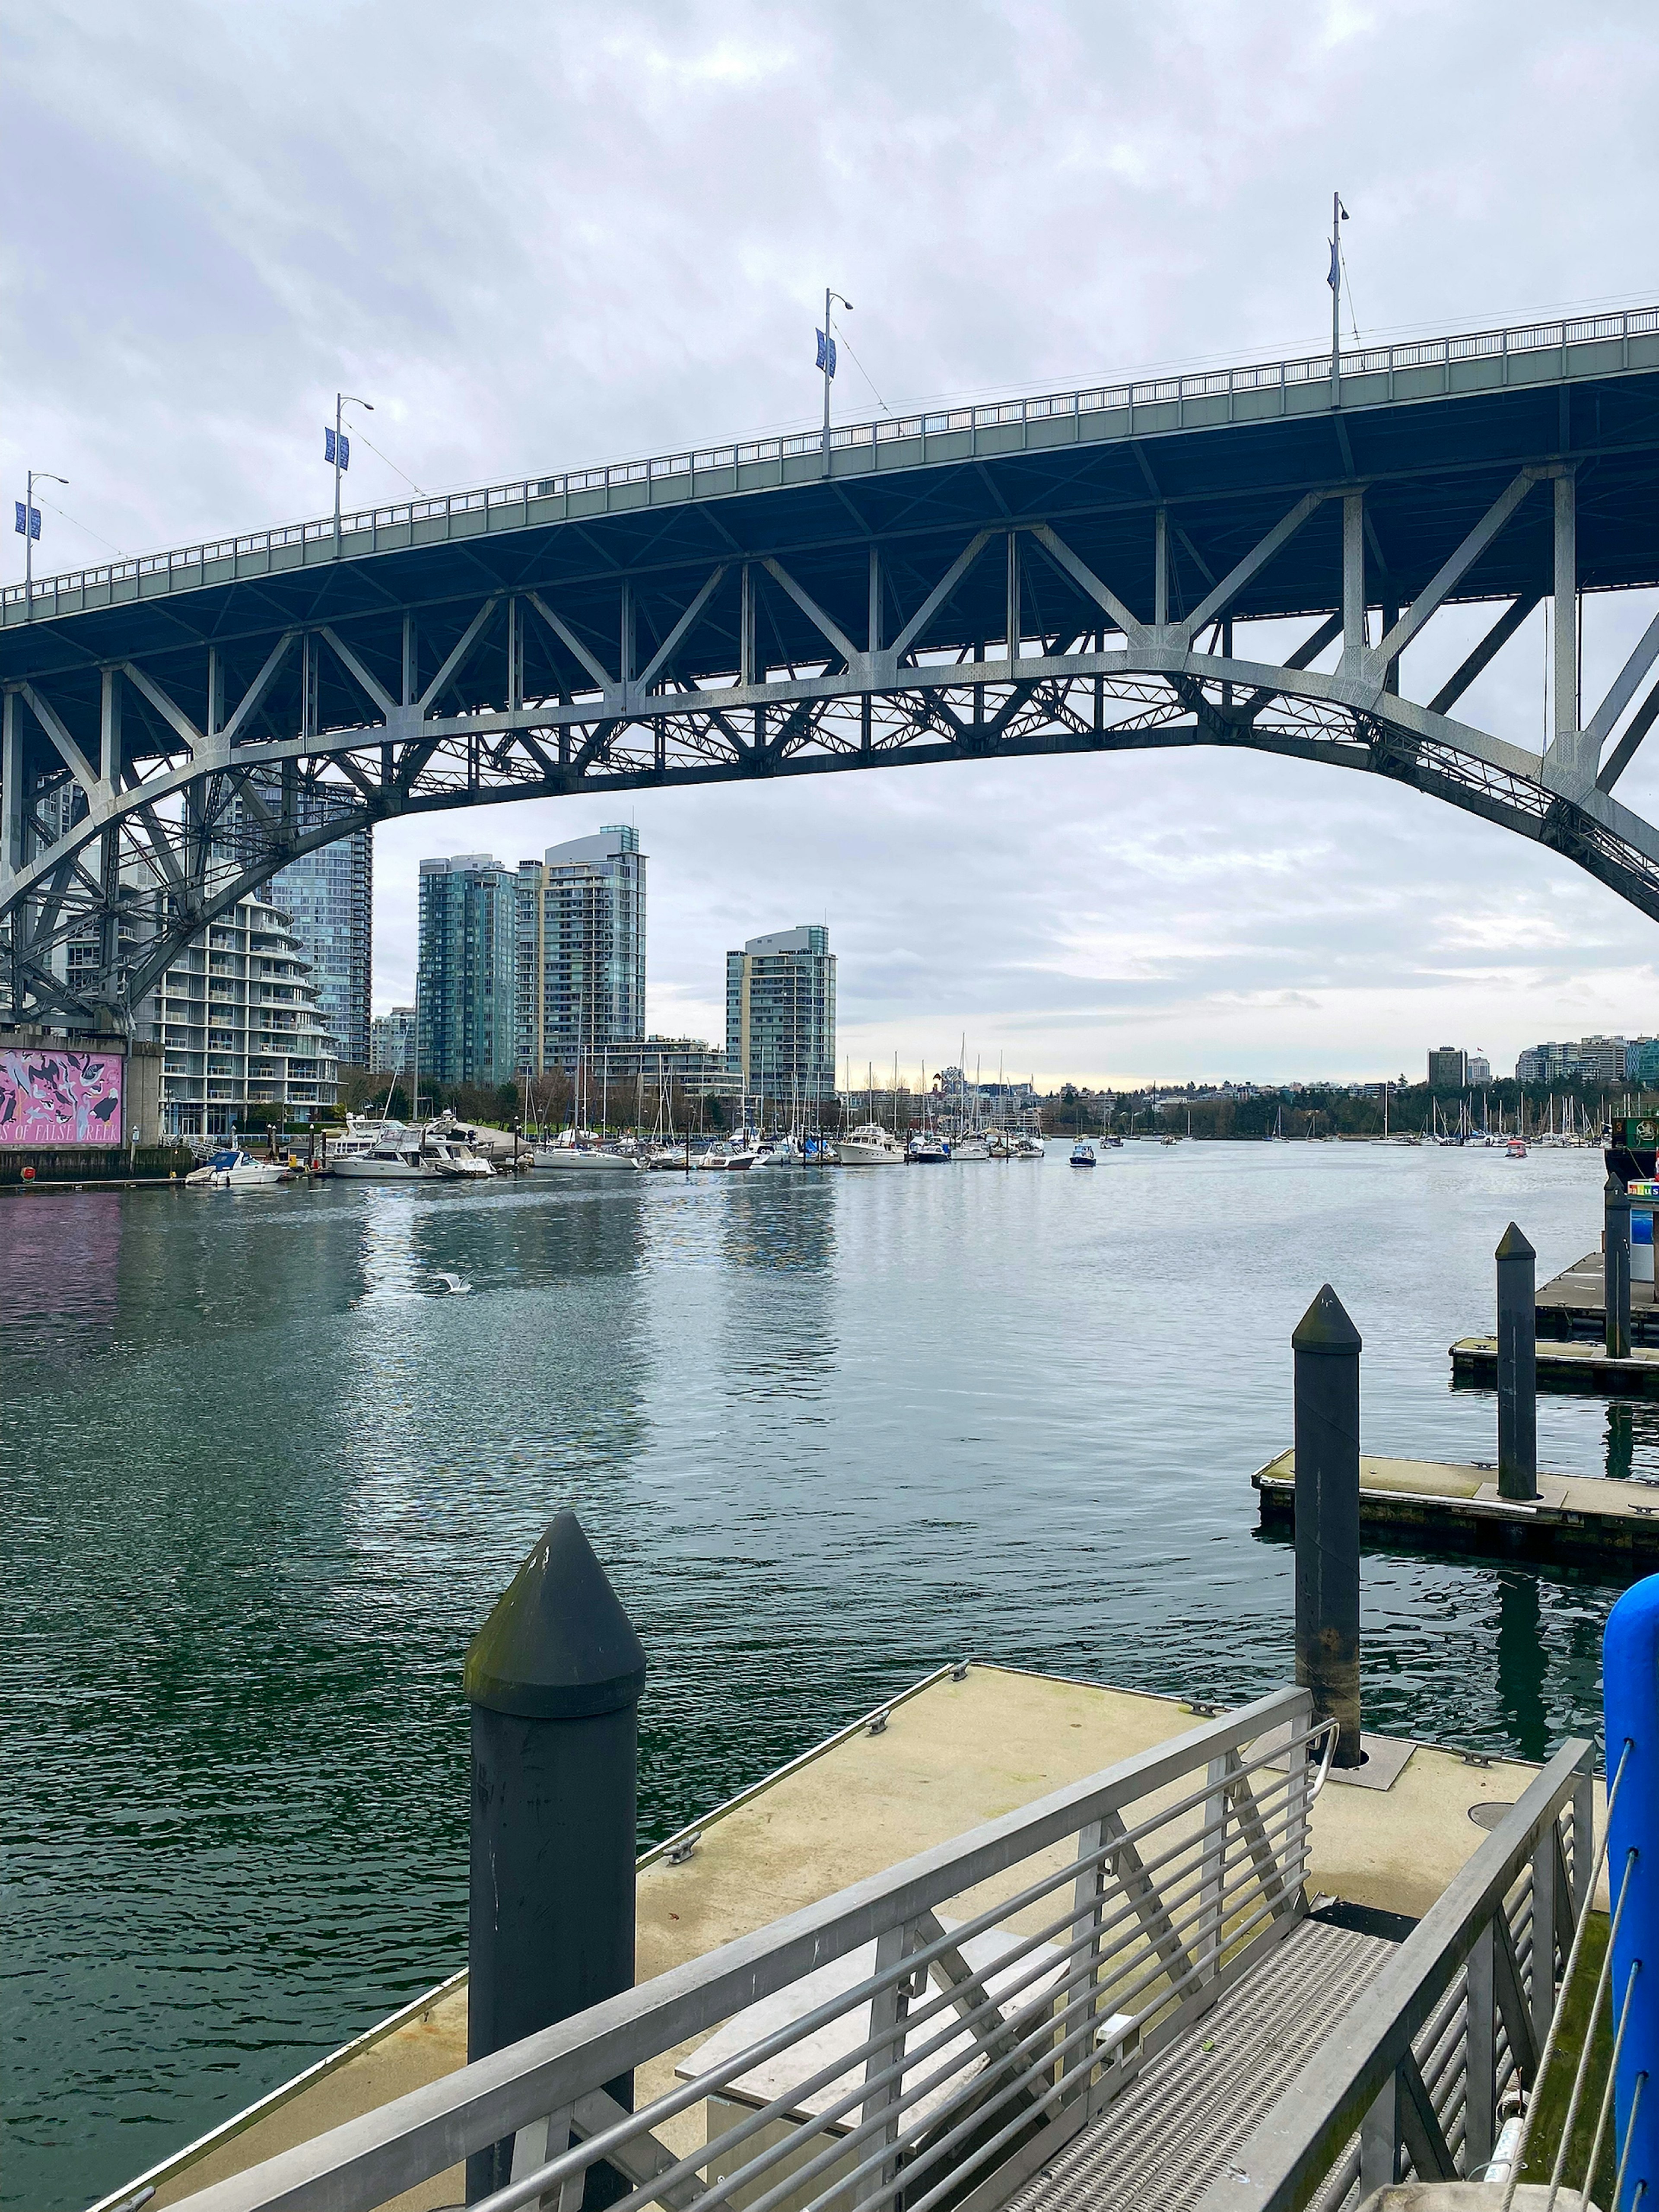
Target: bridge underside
[(162, 760)]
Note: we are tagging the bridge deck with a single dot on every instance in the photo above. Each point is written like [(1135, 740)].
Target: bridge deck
[(1158, 2147)]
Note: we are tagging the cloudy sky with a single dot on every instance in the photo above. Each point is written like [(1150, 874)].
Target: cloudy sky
[(538, 235)]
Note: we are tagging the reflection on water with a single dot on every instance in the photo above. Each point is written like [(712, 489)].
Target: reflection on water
[(826, 1429)]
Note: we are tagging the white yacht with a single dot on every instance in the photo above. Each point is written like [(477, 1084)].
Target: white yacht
[(1028, 1148), (232, 1168), (455, 1160), (577, 1153), (871, 1146), (973, 1146), (784, 1153), (396, 1155)]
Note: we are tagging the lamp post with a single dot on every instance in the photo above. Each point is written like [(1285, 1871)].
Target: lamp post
[(829, 363), (341, 401), (45, 476)]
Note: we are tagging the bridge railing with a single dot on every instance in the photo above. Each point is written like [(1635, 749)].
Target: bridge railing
[(931, 2035), (1308, 369)]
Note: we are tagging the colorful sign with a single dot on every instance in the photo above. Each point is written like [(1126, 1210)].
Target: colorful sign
[(60, 1097)]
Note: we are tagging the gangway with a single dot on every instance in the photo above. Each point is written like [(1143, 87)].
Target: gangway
[(1121, 1995)]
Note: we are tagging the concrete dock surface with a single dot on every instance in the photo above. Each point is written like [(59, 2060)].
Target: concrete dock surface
[(951, 1755), (1571, 1304), (1442, 1501), (1574, 1366)]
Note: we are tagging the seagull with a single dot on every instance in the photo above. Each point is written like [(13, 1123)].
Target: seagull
[(451, 1284)]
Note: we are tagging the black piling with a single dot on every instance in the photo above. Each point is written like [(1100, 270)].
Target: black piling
[(1615, 1267), (1327, 1345), (1517, 1367), (554, 1679)]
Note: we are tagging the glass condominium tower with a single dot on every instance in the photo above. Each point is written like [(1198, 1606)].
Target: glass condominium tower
[(580, 950), (329, 897), (781, 1015), (466, 975)]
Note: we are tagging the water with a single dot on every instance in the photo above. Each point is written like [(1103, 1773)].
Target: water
[(825, 1430)]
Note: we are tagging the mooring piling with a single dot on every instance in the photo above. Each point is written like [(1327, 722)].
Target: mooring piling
[(554, 1678), (1517, 1367), (1327, 1345), (1615, 1267)]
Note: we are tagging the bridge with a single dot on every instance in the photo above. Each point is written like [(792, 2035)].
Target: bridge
[(1064, 574)]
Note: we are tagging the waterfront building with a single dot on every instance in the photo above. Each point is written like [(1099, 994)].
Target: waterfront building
[(780, 1014), (467, 970), (1642, 1061), (1448, 1068), (390, 1041), (1545, 1063), (239, 1019), (580, 950), (329, 898), (691, 1065), (1601, 1058), (1477, 1071)]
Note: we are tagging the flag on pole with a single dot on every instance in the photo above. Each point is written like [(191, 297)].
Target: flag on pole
[(342, 444), (1334, 279), (826, 354), (28, 520), (345, 450)]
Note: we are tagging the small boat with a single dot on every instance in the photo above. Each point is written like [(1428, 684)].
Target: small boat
[(1171, 1139), (1028, 1148), (396, 1156), (1083, 1154), (667, 1158), (869, 1146), (745, 1154), (232, 1168), (925, 1150), (785, 1153), (970, 1147), (1515, 1150)]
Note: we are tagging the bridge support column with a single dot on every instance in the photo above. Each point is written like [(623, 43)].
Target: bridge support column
[(1565, 614), (1353, 583), (1327, 1345)]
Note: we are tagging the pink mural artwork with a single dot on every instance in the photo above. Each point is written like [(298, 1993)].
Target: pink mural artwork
[(60, 1097)]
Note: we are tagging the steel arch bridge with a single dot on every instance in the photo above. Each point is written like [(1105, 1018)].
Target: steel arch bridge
[(1059, 574)]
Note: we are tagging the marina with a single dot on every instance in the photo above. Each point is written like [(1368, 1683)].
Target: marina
[(894, 1331)]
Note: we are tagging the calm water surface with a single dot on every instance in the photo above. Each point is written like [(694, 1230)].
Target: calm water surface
[(825, 1430)]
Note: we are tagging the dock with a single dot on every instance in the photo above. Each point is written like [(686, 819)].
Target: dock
[(1572, 1306), (1576, 1366), (968, 1745), (1447, 1504)]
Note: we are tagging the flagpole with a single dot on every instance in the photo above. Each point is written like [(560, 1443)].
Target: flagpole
[(1336, 317), (828, 296)]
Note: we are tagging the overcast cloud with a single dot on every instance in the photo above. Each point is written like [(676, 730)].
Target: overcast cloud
[(541, 236)]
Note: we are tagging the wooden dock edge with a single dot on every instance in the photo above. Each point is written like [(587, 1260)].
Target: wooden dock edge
[(1484, 1524)]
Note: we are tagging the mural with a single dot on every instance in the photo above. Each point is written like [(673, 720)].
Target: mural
[(60, 1097)]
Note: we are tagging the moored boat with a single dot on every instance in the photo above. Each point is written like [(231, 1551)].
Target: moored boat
[(869, 1146), (926, 1150), (232, 1168)]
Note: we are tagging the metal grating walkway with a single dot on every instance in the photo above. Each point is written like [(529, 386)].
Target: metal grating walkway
[(1158, 2146)]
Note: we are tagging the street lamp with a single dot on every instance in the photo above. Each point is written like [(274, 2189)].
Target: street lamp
[(29, 523), (827, 361), (339, 449)]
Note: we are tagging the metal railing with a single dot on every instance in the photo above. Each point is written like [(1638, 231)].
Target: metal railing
[(933, 2034), (1414, 2081), (1621, 324)]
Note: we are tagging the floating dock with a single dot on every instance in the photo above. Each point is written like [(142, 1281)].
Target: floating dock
[(1573, 1305), (965, 1745), (1458, 1507), (1582, 1367)]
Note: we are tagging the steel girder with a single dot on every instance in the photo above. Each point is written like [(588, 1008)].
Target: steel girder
[(121, 841)]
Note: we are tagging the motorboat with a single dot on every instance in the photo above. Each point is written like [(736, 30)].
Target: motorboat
[(1028, 1148), (926, 1150), (871, 1146), (1083, 1153), (1515, 1150), (970, 1147), (785, 1153), (232, 1168), (396, 1155), (575, 1151), (361, 1135), (455, 1160), (745, 1153), (667, 1158)]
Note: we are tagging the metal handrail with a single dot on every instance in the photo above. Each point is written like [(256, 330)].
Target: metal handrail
[(1199, 384), (1290, 2154), (1099, 1932)]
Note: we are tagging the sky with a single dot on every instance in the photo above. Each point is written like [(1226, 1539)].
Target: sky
[(537, 237)]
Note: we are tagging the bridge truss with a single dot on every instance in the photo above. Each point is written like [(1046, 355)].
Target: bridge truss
[(154, 775)]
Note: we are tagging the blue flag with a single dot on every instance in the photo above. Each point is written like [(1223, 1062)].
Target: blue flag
[(328, 446), (826, 354), (344, 444), (23, 523), (345, 450), (1334, 280), (28, 520)]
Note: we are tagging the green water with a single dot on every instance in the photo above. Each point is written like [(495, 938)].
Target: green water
[(825, 1430)]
